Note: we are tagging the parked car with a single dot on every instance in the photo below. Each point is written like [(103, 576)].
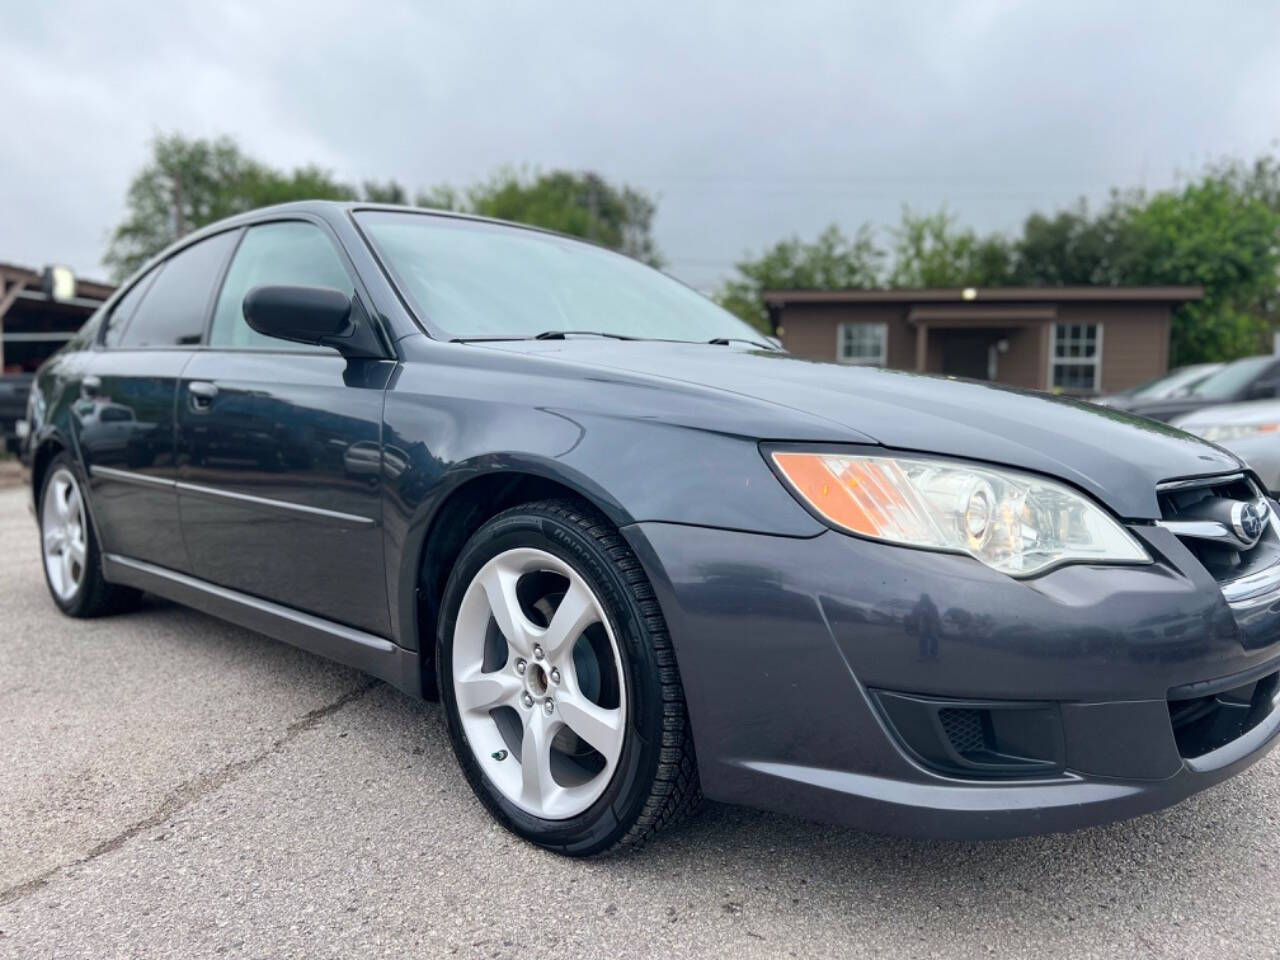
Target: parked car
[(1250, 430), (14, 390), (1177, 381), (642, 554), (1250, 378)]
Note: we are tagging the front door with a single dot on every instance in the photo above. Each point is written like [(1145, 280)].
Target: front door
[(967, 353), (280, 485)]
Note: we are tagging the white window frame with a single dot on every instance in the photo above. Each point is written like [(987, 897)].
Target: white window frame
[(1095, 361), (881, 328)]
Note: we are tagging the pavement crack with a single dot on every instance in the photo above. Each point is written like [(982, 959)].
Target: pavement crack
[(188, 793)]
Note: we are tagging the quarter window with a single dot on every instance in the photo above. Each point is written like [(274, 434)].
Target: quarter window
[(1077, 357), (290, 253), (863, 343), (173, 311)]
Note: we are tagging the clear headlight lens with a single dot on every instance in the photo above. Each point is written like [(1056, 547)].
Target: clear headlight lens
[(1014, 522), (1226, 432)]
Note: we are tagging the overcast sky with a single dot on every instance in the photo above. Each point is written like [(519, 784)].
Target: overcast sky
[(747, 121)]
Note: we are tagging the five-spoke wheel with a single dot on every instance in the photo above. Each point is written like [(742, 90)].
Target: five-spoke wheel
[(556, 673), (538, 683), (65, 531)]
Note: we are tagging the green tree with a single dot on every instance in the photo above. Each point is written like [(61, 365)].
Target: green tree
[(188, 183), (579, 204), (833, 261), (930, 250), (1211, 234)]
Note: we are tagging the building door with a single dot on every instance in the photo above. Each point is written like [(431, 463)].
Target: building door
[(967, 353)]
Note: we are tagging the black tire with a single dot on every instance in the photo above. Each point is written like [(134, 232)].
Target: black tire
[(655, 783), (94, 597)]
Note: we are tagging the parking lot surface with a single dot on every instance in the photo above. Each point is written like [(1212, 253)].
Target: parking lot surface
[(174, 786)]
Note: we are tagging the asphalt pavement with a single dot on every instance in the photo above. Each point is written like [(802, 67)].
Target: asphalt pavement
[(171, 786)]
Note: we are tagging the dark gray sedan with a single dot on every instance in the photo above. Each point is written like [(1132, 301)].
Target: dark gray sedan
[(642, 555)]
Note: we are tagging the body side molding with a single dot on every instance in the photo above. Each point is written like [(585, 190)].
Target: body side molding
[(213, 493)]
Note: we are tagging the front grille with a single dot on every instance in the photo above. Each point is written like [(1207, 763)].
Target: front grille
[(1202, 724), (1183, 505), (964, 729)]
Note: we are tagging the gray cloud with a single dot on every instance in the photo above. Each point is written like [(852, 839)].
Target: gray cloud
[(749, 121)]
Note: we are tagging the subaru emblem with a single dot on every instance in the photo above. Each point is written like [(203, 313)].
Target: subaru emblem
[(1247, 519)]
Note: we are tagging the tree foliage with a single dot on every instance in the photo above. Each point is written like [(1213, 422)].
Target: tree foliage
[(1220, 231), (833, 261), (189, 183), (579, 204)]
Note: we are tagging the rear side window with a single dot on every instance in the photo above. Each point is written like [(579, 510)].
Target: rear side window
[(172, 312), (124, 309), (290, 253)]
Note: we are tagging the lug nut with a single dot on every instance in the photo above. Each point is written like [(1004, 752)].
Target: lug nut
[(527, 700), (549, 708), (521, 665), (537, 652), (555, 675)]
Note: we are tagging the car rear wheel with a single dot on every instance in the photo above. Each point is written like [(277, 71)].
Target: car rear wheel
[(72, 563), (559, 683)]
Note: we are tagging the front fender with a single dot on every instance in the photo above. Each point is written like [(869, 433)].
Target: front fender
[(442, 430)]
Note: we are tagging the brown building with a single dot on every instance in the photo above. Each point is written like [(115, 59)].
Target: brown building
[(1084, 340)]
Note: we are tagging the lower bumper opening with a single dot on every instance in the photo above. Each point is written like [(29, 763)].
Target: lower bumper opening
[(1202, 724), (976, 738)]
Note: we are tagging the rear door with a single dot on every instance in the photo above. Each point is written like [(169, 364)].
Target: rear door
[(280, 493), (125, 411)]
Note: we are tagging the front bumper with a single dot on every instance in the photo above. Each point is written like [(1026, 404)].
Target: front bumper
[(784, 643)]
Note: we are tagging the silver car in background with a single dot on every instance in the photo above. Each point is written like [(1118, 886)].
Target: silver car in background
[(1250, 430), (1171, 384)]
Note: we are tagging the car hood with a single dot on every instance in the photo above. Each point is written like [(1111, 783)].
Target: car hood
[(1116, 457)]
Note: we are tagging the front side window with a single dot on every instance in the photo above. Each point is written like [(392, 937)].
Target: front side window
[(863, 343), (1077, 357), (291, 253), (474, 280), (172, 311)]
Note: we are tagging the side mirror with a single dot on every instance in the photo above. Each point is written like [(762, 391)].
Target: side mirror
[(320, 316)]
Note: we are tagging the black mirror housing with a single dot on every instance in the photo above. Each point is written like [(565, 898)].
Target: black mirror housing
[(320, 316)]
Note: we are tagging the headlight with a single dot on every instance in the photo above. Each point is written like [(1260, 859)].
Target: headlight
[(1226, 432), (1016, 523)]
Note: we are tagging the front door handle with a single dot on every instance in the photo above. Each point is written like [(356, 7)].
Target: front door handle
[(202, 394)]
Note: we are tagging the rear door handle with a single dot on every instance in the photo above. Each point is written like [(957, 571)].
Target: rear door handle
[(202, 394)]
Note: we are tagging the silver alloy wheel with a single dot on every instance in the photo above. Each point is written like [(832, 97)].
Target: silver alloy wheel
[(543, 706), (65, 534)]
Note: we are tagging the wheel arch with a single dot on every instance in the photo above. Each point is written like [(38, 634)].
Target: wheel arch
[(481, 491), (45, 451)]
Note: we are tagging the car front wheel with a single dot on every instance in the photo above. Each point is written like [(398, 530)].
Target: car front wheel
[(559, 683)]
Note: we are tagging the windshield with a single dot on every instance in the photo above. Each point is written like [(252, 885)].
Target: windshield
[(1231, 379), (1172, 382), (475, 280)]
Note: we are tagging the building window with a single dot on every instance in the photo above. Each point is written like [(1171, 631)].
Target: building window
[(1076, 363), (862, 343)]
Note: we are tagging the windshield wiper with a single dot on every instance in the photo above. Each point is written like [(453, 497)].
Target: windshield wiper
[(726, 341), (562, 334)]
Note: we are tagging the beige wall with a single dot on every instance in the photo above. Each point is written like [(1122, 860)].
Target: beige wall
[(1135, 339)]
